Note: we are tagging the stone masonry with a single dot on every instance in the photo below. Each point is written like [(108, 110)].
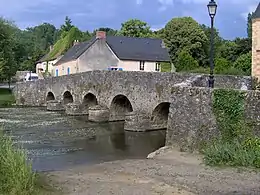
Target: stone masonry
[(256, 48), (142, 99)]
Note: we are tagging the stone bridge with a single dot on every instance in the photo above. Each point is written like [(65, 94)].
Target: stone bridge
[(142, 99)]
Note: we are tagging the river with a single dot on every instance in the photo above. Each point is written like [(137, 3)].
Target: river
[(54, 141)]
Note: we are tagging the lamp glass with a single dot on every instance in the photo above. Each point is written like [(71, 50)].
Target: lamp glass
[(212, 8)]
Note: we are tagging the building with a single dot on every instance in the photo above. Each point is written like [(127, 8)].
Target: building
[(256, 43), (45, 63), (113, 53)]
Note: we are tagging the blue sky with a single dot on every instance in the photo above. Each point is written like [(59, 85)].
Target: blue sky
[(91, 14)]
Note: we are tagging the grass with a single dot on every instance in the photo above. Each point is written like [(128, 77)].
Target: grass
[(6, 97), (234, 153), (16, 174)]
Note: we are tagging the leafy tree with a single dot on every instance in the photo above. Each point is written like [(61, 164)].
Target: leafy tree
[(185, 33), (217, 42), (8, 65), (135, 28), (243, 63), (228, 50), (185, 62)]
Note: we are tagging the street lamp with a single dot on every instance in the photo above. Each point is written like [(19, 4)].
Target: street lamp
[(212, 9)]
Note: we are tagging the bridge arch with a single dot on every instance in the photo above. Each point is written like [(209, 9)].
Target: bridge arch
[(89, 100), (67, 97), (50, 96), (119, 106), (160, 114)]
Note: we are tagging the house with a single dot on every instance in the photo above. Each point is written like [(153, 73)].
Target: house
[(113, 53), (45, 63)]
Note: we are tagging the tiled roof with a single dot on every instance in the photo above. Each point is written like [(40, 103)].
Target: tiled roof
[(257, 12), (144, 49), (125, 48)]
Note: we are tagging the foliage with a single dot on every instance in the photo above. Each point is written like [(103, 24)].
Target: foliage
[(185, 34), (221, 64), (249, 27), (135, 28), (166, 67), (17, 176), (244, 62), (185, 62), (67, 25), (237, 146), (65, 43)]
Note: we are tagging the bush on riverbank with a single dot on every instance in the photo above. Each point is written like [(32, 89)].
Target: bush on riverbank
[(16, 175), (237, 146), (6, 97)]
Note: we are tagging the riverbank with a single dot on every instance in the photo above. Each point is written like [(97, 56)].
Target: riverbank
[(171, 172), (6, 97)]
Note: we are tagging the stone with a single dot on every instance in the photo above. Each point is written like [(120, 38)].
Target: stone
[(135, 121), (159, 152), (75, 109), (98, 114), (54, 105)]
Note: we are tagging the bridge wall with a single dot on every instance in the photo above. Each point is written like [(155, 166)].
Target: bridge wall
[(191, 118)]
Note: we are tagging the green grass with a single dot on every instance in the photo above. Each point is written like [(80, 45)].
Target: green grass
[(234, 153), (6, 97), (17, 176)]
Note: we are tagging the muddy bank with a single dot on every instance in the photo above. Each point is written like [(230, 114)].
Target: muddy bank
[(172, 172)]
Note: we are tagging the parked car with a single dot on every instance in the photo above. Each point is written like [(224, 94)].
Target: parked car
[(31, 77)]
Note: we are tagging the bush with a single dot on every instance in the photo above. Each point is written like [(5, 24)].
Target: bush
[(16, 175), (185, 62), (243, 63), (221, 64)]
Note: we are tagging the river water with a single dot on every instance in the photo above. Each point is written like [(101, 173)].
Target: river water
[(54, 141)]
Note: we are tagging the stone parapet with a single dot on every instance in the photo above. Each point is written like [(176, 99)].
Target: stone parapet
[(54, 105)]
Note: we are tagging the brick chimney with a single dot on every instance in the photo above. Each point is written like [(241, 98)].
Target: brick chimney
[(100, 34), (76, 42)]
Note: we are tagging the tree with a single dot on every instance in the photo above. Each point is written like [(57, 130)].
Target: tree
[(66, 26), (185, 62), (243, 63), (135, 28), (185, 33), (8, 65)]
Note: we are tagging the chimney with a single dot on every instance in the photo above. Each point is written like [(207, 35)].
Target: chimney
[(51, 47), (76, 42), (100, 34)]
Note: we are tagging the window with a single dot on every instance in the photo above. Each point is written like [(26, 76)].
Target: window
[(68, 70), (57, 72), (157, 66), (141, 65)]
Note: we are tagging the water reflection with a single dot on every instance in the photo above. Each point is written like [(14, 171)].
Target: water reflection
[(55, 141)]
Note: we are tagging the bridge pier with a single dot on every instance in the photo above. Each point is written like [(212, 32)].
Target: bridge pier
[(76, 109), (55, 105), (136, 121), (98, 114)]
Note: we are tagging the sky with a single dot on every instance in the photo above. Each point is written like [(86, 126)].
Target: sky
[(91, 14)]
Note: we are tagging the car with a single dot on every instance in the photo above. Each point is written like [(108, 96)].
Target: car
[(31, 77)]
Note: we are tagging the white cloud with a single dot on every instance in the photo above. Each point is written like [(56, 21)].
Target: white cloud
[(139, 2)]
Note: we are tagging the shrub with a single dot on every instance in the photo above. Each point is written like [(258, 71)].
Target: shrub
[(221, 64), (16, 175), (243, 63), (185, 62)]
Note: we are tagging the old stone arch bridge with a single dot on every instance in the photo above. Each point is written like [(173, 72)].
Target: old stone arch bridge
[(142, 99)]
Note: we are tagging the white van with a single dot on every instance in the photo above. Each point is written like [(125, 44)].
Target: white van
[(31, 77)]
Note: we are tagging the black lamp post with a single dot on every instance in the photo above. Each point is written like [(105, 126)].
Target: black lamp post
[(212, 8)]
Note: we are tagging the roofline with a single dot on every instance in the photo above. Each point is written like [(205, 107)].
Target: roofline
[(145, 60)]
